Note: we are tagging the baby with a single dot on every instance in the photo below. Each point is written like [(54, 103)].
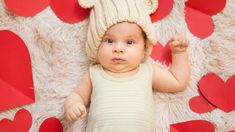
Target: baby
[(119, 84)]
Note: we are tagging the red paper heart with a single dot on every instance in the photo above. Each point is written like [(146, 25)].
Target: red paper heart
[(205, 6), (21, 123), (69, 10), (200, 105), (26, 7), (6, 125), (198, 16), (16, 82), (199, 24), (51, 125), (162, 54), (218, 92), (192, 126), (163, 10)]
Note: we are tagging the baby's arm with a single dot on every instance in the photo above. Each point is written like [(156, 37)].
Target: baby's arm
[(177, 77), (75, 103)]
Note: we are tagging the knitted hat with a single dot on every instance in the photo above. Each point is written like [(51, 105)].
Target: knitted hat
[(106, 13)]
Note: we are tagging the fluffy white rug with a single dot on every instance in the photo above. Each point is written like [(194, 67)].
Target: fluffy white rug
[(58, 61)]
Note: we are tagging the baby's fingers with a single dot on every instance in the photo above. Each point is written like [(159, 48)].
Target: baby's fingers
[(71, 116), (175, 43), (185, 42), (77, 112), (83, 111)]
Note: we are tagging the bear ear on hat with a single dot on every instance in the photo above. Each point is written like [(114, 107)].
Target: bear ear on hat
[(86, 3), (151, 5)]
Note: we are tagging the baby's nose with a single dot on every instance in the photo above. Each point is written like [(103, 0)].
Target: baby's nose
[(118, 48)]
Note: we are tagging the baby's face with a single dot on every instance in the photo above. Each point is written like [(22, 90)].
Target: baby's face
[(122, 48)]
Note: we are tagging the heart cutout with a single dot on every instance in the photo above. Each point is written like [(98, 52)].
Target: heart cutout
[(6, 125), (26, 7), (16, 82), (218, 92), (205, 6), (200, 105), (51, 125), (21, 123), (198, 16), (199, 24), (69, 10), (192, 126), (163, 10), (161, 53)]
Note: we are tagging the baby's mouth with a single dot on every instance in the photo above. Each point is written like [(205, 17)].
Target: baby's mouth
[(118, 60)]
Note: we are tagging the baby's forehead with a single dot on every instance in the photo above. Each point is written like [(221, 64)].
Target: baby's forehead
[(125, 29)]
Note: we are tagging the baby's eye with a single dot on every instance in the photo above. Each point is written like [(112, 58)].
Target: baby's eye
[(129, 42), (109, 40)]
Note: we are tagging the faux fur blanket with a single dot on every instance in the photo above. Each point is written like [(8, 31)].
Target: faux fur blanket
[(58, 61)]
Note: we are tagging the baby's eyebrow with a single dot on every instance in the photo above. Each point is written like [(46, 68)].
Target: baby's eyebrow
[(108, 35), (133, 36)]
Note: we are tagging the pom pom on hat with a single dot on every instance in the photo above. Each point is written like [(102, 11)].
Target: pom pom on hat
[(151, 5), (86, 3)]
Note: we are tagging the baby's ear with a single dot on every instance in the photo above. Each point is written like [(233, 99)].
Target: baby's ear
[(87, 3), (151, 5)]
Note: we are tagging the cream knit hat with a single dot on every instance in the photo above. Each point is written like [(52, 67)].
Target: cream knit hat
[(106, 13)]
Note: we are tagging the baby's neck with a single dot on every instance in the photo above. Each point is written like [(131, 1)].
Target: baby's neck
[(122, 73)]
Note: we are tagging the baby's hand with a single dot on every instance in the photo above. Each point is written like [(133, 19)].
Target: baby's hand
[(76, 110), (178, 44)]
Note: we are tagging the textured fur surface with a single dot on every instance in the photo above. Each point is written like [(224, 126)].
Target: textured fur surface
[(58, 61)]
